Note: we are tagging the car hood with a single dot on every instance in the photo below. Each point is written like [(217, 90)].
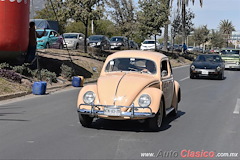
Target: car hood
[(93, 41), (206, 65), (70, 39), (122, 88)]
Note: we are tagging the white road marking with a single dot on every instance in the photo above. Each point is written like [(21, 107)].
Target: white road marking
[(30, 141), (184, 79), (181, 66), (237, 108)]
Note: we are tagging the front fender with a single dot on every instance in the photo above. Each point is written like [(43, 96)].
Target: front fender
[(90, 87), (177, 94), (156, 96)]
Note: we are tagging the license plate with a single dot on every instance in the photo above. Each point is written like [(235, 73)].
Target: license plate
[(112, 111), (204, 72)]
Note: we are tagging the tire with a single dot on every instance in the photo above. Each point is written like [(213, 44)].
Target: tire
[(85, 120), (61, 46), (47, 46), (155, 123), (221, 76), (192, 76), (77, 46), (174, 112)]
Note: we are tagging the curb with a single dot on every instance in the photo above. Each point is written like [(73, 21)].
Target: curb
[(49, 90)]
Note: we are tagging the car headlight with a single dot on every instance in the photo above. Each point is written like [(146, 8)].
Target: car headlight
[(144, 100), (98, 43), (192, 67), (219, 68), (89, 97), (119, 44)]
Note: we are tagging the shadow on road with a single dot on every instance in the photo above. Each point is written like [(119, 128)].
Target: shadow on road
[(132, 125)]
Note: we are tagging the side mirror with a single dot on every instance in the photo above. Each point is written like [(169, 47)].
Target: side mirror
[(164, 73), (80, 38), (51, 36)]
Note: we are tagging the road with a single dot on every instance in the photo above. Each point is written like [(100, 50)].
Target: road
[(47, 127)]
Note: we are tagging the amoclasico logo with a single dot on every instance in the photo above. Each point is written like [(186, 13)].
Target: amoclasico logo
[(19, 1)]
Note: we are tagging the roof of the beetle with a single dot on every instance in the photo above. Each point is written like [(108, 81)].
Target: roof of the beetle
[(154, 56)]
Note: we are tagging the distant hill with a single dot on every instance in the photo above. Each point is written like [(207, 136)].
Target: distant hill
[(36, 5)]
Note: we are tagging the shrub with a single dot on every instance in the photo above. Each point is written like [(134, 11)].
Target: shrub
[(46, 75), (23, 70), (11, 75), (5, 66), (66, 72)]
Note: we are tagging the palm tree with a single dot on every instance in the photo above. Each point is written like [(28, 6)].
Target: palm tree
[(226, 28), (182, 4)]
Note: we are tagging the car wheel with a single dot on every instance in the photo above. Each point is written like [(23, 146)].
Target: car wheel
[(61, 46), (174, 112), (77, 46), (47, 45), (102, 48), (221, 76), (192, 76), (85, 120), (156, 122)]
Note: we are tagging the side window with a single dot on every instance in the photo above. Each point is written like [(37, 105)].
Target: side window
[(164, 68)]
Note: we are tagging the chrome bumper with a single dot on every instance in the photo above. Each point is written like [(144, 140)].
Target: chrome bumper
[(133, 114)]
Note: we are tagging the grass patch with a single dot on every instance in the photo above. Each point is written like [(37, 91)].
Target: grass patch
[(8, 87)]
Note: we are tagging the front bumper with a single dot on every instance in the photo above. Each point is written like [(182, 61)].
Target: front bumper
[(205, 72), (232, 65), (99, 110)]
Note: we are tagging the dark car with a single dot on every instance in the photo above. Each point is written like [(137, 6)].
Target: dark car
[(119, 42), (133, 45), (209, 65), (99, 41)]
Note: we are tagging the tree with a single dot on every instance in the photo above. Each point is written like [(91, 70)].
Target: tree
[(182, 4), (200, 35), (167, 2), (84, 11), (152, 16), (106, 27), (54, 10), (217, 39), (124, 16), (177, 25), (226, 28)]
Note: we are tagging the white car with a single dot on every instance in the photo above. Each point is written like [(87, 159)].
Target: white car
[(149, 45), (73, 40)]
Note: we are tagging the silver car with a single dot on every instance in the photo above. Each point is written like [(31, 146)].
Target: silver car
[(73, 40)]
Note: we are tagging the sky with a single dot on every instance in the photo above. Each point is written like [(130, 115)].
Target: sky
[(213, 11)]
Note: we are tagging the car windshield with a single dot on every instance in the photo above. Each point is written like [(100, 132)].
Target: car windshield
[(40, 33), (131, 64), (209, 58), (230, 51), (149, 42), (116, 39), (95, 38), (70, 36)]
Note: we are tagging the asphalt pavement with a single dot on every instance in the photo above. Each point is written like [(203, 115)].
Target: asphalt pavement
[(47, 126)]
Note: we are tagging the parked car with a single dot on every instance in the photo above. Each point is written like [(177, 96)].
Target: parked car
[(190, 49), (73, 40), (99, 41), (149, 45), (133, 45), (133, 85), (207, 65), (119, 42), (51, 39)]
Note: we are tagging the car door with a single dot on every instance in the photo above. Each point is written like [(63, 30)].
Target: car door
[(167, 82)]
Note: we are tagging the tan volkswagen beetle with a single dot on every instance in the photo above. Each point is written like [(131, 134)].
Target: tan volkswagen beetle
[(136, 85)]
